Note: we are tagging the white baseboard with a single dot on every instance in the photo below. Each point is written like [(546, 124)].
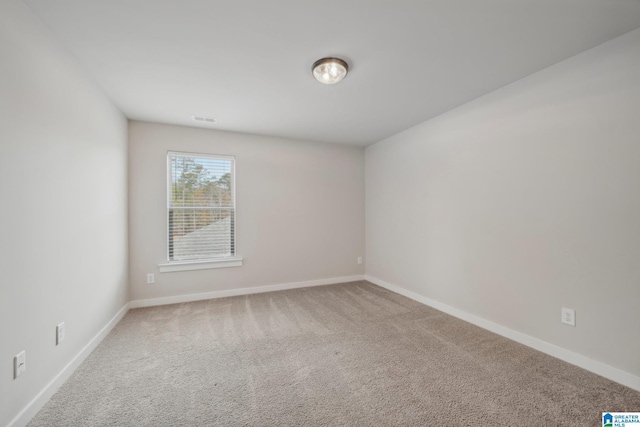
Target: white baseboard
[(32, 408), (243, 291), (602, 369)]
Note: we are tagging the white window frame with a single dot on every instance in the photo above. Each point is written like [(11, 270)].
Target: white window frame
[(205, 263)]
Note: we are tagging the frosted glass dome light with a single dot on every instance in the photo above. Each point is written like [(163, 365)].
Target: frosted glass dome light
[(329, 70)]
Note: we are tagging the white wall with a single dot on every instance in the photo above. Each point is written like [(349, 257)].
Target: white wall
[(522, 202), (300, 209), (63, 207)]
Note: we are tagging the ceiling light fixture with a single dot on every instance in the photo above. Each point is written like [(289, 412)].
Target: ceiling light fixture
[(329, 70)]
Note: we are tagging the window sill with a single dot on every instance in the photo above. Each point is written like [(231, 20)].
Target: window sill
[(200, 265)]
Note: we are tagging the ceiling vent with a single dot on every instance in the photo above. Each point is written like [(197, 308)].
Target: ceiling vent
[(203, 119)]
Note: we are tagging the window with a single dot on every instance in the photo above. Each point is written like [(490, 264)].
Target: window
[(201, 207)]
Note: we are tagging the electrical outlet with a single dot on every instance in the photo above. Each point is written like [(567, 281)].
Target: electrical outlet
[(568, 316), (59, 333), (359, 260), (19, 364), (151, 278)]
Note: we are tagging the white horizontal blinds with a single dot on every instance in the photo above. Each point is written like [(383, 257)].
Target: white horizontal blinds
[(201, 207)]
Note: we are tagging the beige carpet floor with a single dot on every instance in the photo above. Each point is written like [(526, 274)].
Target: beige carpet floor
[(345, 355)]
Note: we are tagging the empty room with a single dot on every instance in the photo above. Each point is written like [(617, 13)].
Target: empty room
[(347, 213)]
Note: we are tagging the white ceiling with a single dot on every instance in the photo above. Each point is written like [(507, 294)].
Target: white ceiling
[(247, 62)]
